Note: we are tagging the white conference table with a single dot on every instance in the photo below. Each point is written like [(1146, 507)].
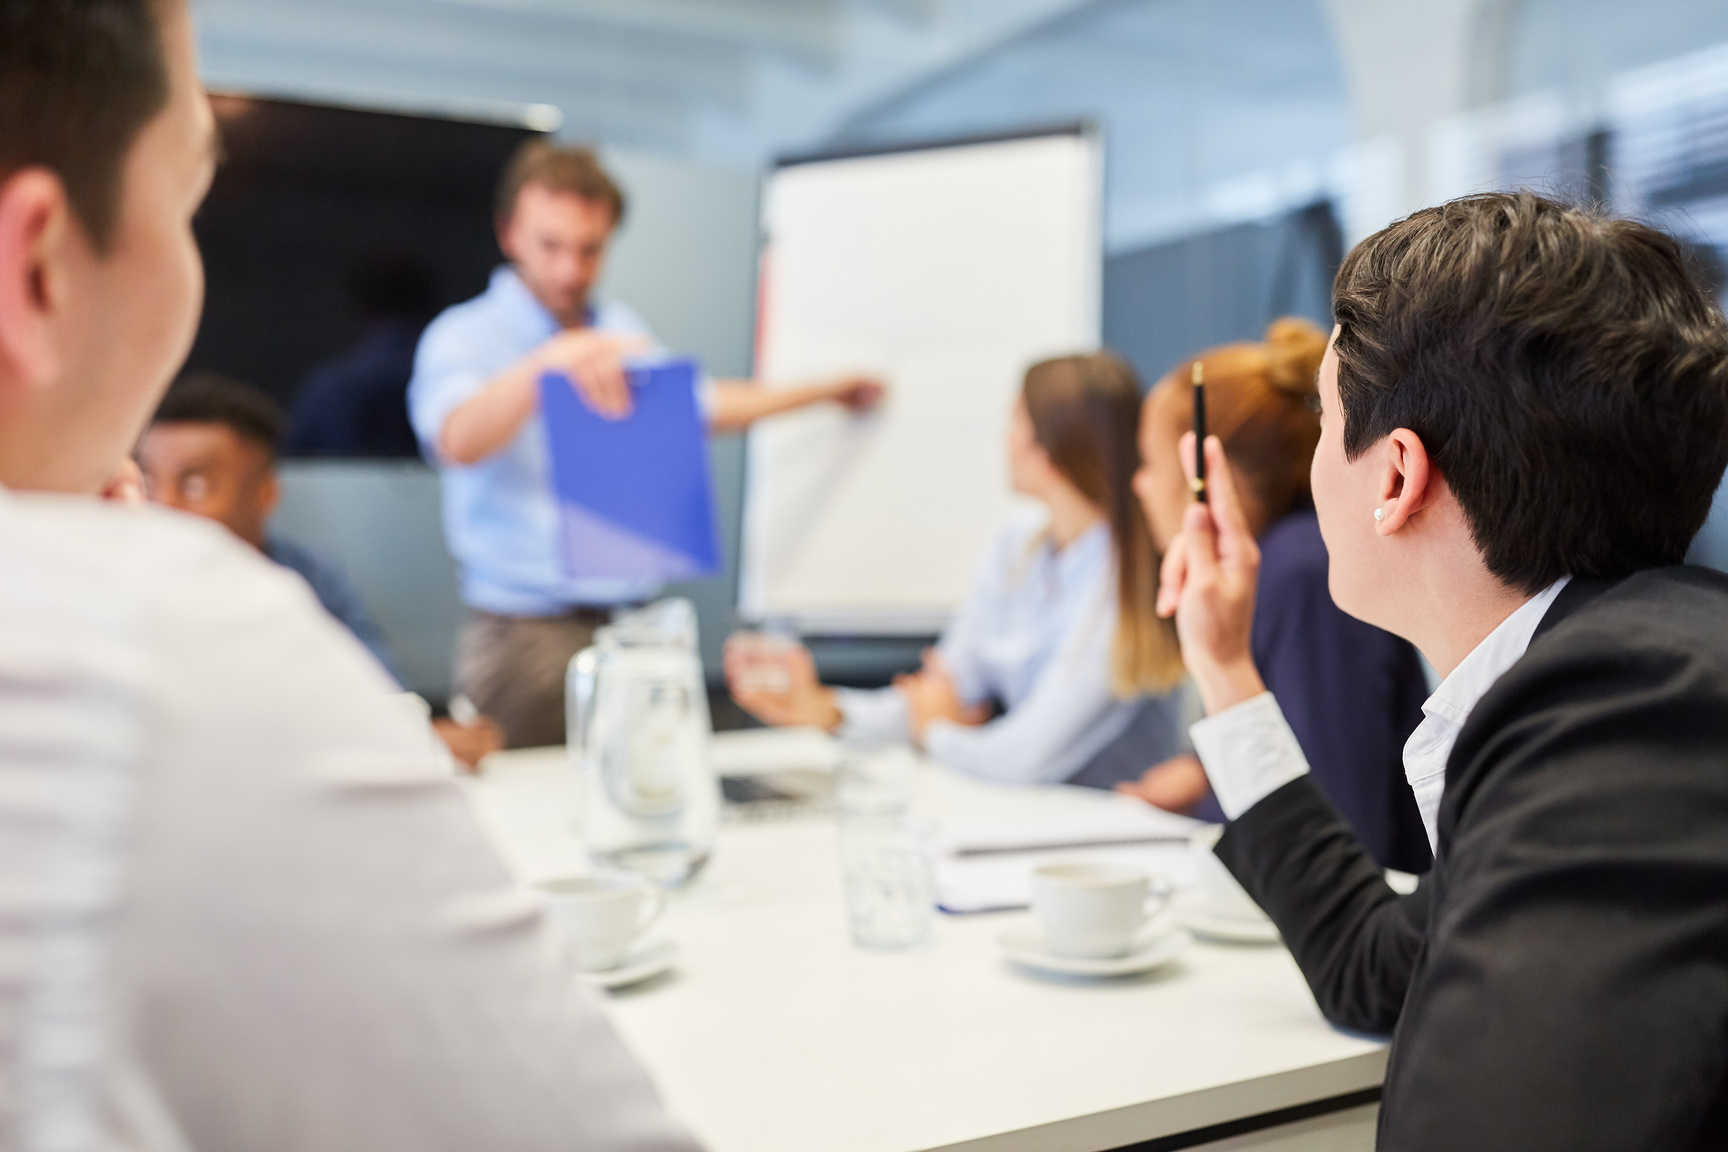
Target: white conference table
[(775, 1034)]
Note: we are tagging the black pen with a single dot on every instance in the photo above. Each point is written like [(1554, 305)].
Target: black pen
[(1199, 481)]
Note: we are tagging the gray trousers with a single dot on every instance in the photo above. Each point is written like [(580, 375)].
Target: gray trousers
[(513, 667)]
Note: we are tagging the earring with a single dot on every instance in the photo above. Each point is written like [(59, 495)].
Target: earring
[(1379, 513)]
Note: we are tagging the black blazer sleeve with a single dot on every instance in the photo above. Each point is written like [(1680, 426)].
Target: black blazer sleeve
[(1356, 941), (1574, 995), (1563, 970)]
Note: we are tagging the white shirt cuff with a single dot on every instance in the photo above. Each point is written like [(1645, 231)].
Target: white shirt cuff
[(940, 739), (1249, 753)]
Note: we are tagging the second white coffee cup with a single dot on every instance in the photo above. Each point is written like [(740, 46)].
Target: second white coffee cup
[(596, 917), (1092, 911)]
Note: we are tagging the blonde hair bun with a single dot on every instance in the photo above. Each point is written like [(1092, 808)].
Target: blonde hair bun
[(1294, 349)]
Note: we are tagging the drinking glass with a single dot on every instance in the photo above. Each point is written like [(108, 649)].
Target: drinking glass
[(885, 867), (764, 653)]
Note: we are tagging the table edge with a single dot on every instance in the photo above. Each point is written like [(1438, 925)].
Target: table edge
[(1154, 1119)]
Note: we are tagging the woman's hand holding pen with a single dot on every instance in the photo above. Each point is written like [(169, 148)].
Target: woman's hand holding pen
[(1208, 584)]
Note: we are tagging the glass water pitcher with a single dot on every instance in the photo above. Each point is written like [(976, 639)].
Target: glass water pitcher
[(636, 707)]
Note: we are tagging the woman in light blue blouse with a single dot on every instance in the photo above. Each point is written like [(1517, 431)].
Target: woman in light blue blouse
[(1055, 667)]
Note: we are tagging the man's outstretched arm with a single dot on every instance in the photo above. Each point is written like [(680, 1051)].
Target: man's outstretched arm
[(740, 403)]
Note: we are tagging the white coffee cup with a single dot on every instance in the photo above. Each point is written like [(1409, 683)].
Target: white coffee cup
[(596, 917), (1092, 911), (1224, 897)]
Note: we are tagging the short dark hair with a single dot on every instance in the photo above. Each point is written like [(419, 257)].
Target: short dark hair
[(211, 398), (1565, 370), (562, 169), (78, 80)]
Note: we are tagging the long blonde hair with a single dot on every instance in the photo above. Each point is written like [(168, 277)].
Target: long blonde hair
[(1085, 413)]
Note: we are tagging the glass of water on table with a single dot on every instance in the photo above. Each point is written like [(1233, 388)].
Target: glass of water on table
[(885, 850), (762, 655)]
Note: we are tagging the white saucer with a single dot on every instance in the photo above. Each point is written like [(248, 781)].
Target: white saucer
[(642, 963), (1208, 925), (1024, 944)]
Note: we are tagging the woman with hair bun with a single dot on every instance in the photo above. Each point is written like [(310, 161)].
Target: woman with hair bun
[(1351, 692)]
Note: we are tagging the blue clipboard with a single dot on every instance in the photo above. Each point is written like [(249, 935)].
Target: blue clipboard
[(635, 496)]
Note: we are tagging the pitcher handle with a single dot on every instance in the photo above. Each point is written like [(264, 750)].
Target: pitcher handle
[(579, 685)]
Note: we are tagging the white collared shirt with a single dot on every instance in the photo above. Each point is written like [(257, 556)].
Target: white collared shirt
[(1444, 713), (1249, 751), (226, 850)]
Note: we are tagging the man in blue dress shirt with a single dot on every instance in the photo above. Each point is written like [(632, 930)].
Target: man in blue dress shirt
[(474, 403)]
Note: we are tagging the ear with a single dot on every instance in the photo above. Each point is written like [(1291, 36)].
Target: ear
[(37, 232), (269, 495), (505, 227), (1408, 481)]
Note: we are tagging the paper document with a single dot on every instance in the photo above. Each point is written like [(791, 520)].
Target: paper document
[(969, 884), (986, 861), (1110, 820), (635, 498)]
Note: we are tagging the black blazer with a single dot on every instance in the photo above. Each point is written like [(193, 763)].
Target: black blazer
[(1560, 978)]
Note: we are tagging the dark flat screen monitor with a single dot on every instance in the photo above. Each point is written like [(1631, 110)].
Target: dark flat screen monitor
[(320, 215)]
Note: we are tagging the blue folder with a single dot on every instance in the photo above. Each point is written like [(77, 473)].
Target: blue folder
[(635, 497)]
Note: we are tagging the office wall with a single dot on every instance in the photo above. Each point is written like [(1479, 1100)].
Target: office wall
[(686, 255), (1187, 95), (1576, 47), (1164, 302), (377, 520)]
